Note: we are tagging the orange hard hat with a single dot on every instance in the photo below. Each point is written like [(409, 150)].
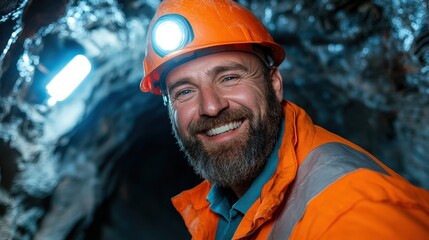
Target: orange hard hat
[(208, 26)]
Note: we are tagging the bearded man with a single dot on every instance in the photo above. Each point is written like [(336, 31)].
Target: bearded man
[(269, 172)]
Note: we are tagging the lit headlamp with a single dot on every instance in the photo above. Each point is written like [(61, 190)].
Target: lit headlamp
[(171, 32)]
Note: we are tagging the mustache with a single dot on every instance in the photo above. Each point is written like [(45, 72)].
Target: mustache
[(205, 123)]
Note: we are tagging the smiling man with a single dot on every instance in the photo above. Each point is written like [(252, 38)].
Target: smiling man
[(226, 115), (269, 172)]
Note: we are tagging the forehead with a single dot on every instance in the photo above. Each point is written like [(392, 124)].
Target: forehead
[(204, 64)]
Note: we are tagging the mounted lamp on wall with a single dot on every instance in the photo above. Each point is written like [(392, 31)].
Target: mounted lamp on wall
[(68, 79), (61, 67)]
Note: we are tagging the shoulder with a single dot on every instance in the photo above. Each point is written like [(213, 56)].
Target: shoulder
[(368, 203), (347, 175), (348, 189)]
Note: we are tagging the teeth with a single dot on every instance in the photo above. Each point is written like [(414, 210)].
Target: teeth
[(223, 129)]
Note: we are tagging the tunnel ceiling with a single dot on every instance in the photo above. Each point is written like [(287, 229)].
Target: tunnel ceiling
[(103, 164)]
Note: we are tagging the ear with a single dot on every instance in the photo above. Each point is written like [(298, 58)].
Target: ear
[(277, 82)]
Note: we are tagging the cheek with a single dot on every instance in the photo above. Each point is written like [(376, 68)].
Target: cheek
[(182, 116), (251, 97)]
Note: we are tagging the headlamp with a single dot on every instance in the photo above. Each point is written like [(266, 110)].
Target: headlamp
[(171, 32)]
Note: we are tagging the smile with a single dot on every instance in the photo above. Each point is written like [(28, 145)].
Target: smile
[(223, 129)]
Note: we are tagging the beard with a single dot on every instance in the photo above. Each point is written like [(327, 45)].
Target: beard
[(238, 161)]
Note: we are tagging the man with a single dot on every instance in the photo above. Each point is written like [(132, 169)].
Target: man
[(269, 172)]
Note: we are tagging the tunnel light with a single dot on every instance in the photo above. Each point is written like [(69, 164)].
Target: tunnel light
[(66, 81), (171, 32)]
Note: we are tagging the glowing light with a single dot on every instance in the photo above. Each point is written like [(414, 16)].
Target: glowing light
[(169, 35), (66, 81), (51, 102), (171, 32)]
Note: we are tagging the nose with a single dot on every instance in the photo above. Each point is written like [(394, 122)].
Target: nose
[(211, 102)]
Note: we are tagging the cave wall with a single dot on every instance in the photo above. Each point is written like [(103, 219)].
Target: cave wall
[(103, 163)]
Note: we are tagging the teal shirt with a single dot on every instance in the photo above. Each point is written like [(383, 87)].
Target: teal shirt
[(231, 216)]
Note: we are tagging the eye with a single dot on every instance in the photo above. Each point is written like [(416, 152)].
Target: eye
[(230, 78), (183, 92), (182, 95)]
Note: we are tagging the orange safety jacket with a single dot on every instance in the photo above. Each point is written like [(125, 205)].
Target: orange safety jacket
[(324, 187)]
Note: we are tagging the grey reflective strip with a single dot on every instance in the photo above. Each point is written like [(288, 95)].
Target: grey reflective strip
[(322, 167)]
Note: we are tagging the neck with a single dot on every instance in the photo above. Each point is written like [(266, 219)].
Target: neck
[(241, 189)]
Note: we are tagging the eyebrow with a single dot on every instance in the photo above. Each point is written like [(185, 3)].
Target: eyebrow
[(177, 84), (227, 67)]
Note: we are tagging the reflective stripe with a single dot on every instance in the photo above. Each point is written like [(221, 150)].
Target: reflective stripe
[(322, 167)]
